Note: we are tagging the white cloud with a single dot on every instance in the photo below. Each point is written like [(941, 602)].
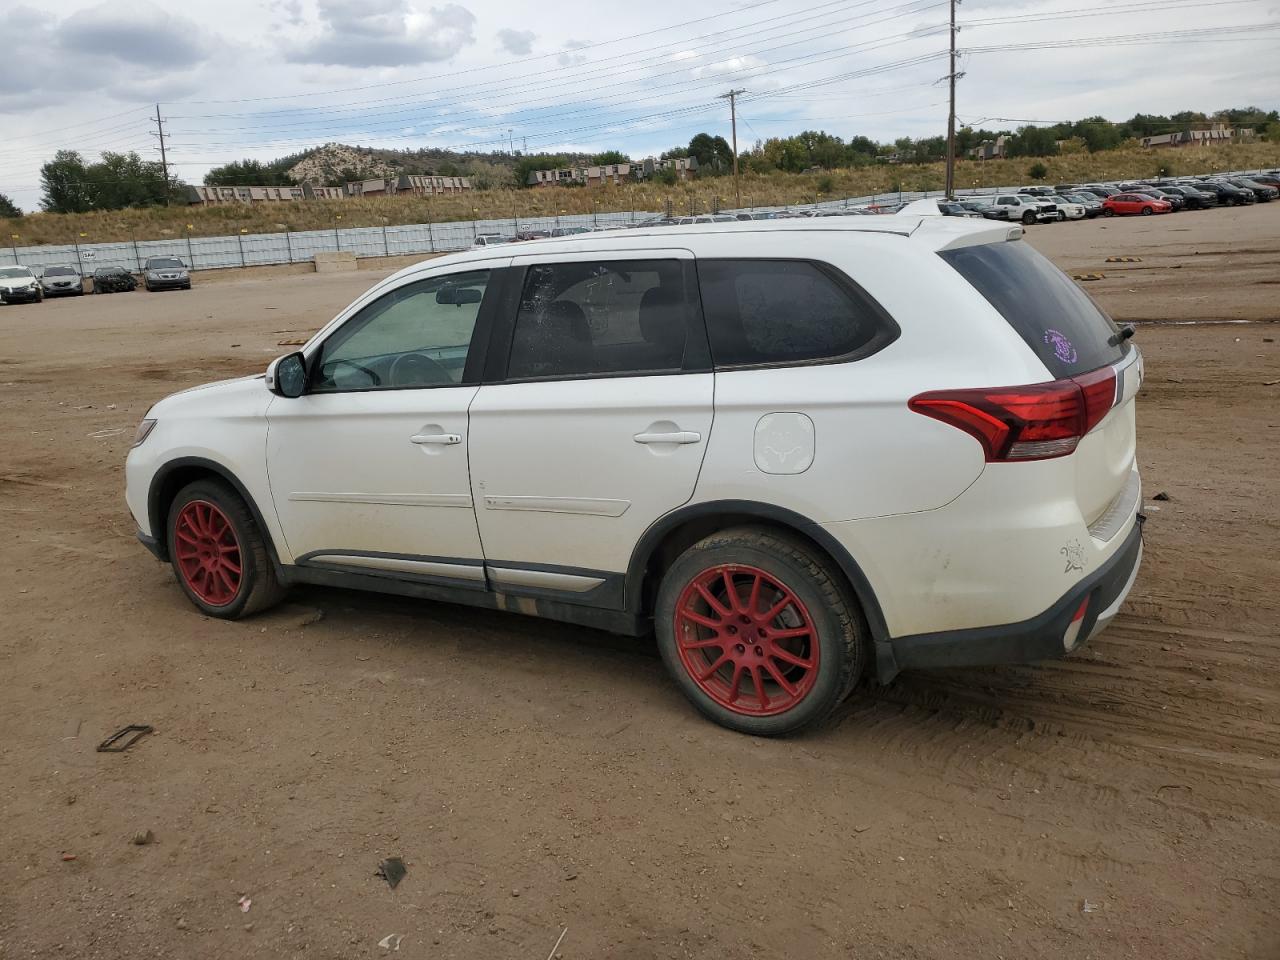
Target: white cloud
[(385, 33), (518, 43)]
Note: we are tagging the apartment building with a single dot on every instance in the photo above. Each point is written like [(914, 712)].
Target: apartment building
[(612, 173), (1198, 136), (201, 195), (417, 184)]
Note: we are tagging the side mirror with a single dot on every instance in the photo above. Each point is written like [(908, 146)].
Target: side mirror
[(287, 375)]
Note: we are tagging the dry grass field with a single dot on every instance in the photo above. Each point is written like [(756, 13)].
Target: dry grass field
[(757, 190)]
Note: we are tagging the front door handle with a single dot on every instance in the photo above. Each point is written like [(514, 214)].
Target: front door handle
[(677, 436), (442, 438)]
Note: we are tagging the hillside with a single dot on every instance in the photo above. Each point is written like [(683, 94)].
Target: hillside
[(336, 163), (776, 189)]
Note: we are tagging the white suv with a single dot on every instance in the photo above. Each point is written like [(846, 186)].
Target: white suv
[(798, 450)]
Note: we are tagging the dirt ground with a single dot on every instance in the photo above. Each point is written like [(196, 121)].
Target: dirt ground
[(536, 777)]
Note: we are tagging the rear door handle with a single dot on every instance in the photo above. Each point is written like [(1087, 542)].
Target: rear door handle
[(443, 438), (678, 436)]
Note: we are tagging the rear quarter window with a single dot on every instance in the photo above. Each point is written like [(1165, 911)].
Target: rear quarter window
[(1055, 318), (766, 312)]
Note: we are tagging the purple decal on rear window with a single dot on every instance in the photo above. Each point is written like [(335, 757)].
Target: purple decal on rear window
[(1062, 348)]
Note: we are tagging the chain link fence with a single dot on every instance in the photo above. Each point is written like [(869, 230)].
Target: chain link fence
[(262, 249)]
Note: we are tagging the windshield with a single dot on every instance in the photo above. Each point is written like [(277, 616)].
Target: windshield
[(15, 273), (59, 272), (161, 263)]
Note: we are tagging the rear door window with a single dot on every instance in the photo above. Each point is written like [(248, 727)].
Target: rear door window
[(1057, 320), (787, 311), (601, 318)]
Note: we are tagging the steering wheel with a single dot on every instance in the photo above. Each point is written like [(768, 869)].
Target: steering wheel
[(417, 370)]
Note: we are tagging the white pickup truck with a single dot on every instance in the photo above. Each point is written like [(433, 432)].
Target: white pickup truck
[(1027, 209)]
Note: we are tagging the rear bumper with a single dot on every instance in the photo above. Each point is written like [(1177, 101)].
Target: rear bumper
[(1050, 635)]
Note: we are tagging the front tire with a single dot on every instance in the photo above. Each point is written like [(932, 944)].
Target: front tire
[(1108, 212), (761, 634), (1028, 218), (219, 555), (1147, 211)]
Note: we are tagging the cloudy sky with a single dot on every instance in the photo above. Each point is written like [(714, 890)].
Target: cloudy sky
[(239, 78)]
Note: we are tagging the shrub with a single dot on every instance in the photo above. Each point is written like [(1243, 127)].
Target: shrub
[(1038, 171)]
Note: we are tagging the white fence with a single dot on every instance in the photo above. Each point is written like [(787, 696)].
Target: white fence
[(262, 249)]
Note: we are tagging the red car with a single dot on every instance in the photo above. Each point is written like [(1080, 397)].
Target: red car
[(1123, 203)]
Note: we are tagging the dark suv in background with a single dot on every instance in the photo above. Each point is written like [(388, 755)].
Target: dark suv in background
[(1227, 194), (1193, 196)]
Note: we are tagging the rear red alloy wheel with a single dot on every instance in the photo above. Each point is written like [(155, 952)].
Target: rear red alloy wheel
[(746, 640), (208, 553)]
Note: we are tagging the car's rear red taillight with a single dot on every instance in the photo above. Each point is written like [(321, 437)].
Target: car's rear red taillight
[(1033, 422)]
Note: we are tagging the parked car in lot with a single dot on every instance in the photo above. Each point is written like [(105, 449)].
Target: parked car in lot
[(113, 280), (1091, 202), (1227, 194), (1134, 203), (1099, 191), (1026, 208), (491, 239), (1267, 180), (19, 285), (1261, 191), (1192, 197), (165, 273), (568, 231), (952, 208), (532, 432), (983, 208), (1068, 209), (1175, 201), (61, 282), (1036, 191)]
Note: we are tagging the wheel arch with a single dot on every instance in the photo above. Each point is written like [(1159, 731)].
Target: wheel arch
[(175, 475), (671, 534)]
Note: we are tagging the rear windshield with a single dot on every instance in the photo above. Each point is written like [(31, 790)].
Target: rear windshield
[(1058, 321)]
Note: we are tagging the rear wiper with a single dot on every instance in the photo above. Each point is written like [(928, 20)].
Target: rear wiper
[(1121, 335)]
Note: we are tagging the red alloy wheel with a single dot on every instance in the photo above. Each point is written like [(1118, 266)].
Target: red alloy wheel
[(746, 640), (208, 553)]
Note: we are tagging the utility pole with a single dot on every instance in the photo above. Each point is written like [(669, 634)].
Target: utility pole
[(732, 97), (952, 77), (511, 143), (164, 160)]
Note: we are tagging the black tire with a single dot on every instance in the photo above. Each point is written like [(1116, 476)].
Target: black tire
[(258, 587), (148, 288), (1028, 218), (1061, 216), (842, 644), (1147, 211), (1108, 212)]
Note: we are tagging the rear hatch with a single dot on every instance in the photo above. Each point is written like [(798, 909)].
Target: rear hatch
[(1080, 346)]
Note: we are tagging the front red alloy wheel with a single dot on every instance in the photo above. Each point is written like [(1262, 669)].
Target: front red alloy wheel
[(746, 640), (208, 553)]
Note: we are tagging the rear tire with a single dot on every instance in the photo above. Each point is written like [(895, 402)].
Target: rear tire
[(1061, 216), (219, 555), (790, 641)]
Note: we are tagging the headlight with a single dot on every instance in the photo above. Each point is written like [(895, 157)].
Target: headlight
[(143, 431)]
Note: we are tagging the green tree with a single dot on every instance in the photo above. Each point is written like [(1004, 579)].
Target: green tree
[(713, 153), (1032, 142), (116, 181), (248, 173), (1098, 133), (536, 161), (65, 184), (608, 157), (9, 209), (1037, 171)]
